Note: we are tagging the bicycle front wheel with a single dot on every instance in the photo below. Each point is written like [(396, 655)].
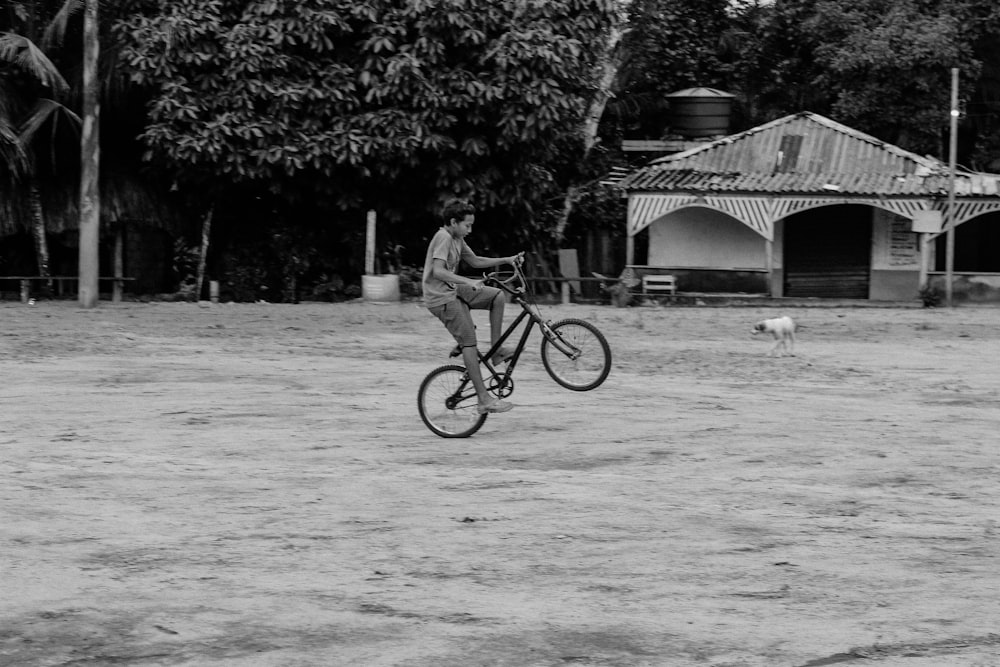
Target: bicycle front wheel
[(448, 403), (576, 354)]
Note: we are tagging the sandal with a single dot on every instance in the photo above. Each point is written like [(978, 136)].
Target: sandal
[(496, 405)]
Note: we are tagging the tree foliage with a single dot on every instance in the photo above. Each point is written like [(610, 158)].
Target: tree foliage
[(368, 102), (882, 66), (674, 44), (40, 101), (670, 45)]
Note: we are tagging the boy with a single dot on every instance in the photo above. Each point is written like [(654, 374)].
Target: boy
[(451, 296)]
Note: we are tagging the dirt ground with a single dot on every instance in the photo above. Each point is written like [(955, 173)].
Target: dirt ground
[(198, 484)]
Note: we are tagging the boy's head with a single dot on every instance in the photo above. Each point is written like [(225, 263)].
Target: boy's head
[(456, 210)]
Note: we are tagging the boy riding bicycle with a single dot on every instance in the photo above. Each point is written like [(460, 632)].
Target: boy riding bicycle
[(450, 297)]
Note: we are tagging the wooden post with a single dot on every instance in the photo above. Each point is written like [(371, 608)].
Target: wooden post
[(952, 151), (924, 261), (116, 288), (928, 225), (769, 265), (206, 234), (90, 158), (605, 263), (370, 245)]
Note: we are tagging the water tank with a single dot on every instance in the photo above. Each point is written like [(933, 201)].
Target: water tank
[(700, 112)]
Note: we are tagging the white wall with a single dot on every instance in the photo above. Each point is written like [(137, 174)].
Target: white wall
[(697, 237)]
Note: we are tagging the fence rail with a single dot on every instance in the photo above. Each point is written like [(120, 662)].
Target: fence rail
[(117, 284)]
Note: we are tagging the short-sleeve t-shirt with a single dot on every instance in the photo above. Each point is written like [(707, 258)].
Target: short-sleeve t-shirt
[(445, 247)]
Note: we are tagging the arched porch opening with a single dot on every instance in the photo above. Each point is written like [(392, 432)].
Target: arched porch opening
[(977, 245), (976, 269), (706, 249), (827, 252), (699, 237)]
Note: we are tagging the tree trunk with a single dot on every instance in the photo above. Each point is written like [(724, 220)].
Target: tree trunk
[(611, 62), (38, 229), (90, 157), (573, 194), (206, 231), (543, 264)]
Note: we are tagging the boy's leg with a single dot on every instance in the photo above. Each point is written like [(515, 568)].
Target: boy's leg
[(496, 329), (470, 355), (496, 318), (492, 299), (458, 320)]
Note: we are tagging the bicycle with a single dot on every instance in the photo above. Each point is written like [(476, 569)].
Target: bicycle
[(574, 353)]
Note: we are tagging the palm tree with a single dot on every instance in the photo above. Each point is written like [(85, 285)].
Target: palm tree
[(33, 123), (13, 161), (40, 133), (90, 191)]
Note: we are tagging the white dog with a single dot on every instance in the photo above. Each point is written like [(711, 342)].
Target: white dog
[(783, 330)]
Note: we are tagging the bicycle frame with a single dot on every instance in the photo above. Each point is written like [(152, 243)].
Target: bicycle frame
[(530, 311), (573, 351)]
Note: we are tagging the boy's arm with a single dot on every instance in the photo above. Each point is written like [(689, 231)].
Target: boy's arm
[(477, 262), (441, 272)]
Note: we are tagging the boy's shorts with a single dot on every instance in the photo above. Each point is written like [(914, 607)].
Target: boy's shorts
[(456, 316)]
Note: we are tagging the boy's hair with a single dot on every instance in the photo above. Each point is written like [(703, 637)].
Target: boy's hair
[(456, 209)]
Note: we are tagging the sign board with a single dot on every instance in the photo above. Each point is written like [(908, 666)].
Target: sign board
[(903, 244), (569, 267), (927, 222), (894, 245)]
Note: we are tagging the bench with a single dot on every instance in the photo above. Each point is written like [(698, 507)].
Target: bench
[(659, 283), (117, 282)]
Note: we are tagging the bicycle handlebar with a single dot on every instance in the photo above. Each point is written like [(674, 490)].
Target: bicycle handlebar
[(515, 283)]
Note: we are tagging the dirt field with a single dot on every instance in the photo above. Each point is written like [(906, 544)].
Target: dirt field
[(186, 484)]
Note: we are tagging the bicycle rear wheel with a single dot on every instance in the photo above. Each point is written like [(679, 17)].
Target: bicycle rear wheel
[(448, 403), (576, 354)]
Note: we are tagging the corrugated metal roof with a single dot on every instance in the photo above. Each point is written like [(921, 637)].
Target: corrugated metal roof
[(700, 92), (804, 153)]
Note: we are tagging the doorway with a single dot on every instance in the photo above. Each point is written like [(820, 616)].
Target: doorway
[(827, 252)]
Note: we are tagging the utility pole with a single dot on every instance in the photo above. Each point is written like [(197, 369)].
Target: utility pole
[(949, 260), (90, 155)]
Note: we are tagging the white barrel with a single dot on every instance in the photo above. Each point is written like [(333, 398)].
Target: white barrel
[(380, 288)]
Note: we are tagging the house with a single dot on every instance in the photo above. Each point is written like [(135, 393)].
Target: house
[(804, 206)]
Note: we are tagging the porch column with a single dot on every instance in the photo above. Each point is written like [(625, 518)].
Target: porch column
[(629, 249), (924, 261), (769, 264)]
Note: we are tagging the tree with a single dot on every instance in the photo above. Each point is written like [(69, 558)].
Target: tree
[(369, 104), (41, 62), (981, 146), (606, 73), (90, 150), (890, 63), (882, 66), (27, 75), (652, 48)]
